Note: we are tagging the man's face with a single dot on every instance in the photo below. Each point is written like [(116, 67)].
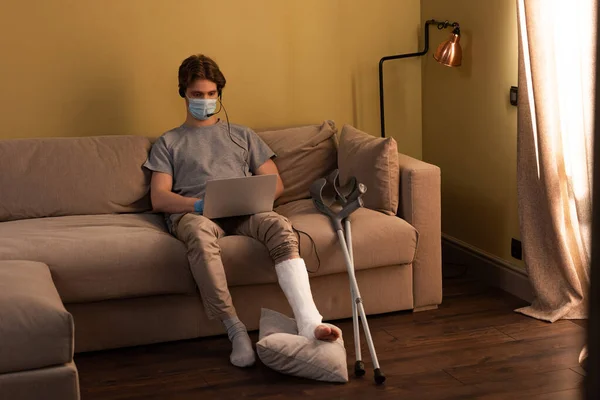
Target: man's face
[(202, 89)]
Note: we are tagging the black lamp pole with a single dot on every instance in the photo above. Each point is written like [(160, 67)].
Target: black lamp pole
[(441, 25)]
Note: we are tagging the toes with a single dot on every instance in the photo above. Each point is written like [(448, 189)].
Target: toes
[(328, 333), (335, 334), (322, 332)]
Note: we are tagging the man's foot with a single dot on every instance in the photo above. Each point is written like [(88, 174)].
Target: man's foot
[(242, 353), (328, 333)]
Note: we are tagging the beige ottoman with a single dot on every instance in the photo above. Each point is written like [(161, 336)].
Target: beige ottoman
[(36, 336)]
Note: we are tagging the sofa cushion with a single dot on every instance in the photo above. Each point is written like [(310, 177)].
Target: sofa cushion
[(35, 329), (374, 162), (378, 240), (50, 177), (304, 154), (62, 381), (101, 257)]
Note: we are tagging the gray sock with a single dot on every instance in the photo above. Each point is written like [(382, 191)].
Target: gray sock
[(242, 353)]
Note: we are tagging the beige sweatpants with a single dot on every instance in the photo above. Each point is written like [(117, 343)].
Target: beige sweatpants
[(200, 235)]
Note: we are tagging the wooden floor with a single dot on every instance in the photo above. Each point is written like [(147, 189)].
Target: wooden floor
[(473, 347)]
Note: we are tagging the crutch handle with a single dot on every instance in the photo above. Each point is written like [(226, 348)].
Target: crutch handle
[(347, 193), (319, 197), (357, 193), (350, 208)]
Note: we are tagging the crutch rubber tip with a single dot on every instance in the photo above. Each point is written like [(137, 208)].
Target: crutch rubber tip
[(379, 376), (359, 368)]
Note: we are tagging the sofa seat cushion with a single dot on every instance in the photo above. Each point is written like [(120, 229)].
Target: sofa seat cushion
[(101, 257), (378, 240), (35, 329)]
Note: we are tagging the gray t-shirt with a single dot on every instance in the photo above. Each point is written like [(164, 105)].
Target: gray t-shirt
[(194, 155)]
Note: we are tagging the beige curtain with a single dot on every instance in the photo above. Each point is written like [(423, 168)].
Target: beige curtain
[(557, 48)]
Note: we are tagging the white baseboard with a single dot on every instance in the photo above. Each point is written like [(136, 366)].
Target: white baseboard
[(488, 268)]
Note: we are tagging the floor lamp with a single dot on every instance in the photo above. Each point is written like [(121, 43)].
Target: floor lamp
[(448, 53)]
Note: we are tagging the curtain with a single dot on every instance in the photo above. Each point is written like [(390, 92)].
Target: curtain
[(557, 51)]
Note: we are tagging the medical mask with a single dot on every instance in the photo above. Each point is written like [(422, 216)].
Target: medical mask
[(202, 109)]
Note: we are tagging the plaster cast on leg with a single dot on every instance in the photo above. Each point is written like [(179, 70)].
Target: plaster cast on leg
[(293, 280)]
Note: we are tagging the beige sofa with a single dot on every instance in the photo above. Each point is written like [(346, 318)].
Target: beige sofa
[(36, 336), (81, 206)]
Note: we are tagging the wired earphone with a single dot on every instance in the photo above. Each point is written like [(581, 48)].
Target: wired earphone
[(227, 118), (245, 150)]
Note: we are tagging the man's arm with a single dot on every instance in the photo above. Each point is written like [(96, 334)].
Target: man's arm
[(269, 168), (164, 200)]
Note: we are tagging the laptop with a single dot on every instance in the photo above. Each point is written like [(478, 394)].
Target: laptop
[(234, 197)]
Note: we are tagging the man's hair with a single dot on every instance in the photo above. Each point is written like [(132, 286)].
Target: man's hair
[(197, 67)]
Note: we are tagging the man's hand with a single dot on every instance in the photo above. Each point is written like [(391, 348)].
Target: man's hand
[(269, 168), (199, 206), (164, 200)]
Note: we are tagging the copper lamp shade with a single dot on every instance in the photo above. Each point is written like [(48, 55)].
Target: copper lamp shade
[(449, 53)]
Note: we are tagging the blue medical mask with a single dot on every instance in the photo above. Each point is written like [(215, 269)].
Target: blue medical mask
[(202, 109)]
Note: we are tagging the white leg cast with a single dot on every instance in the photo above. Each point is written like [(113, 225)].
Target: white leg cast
[(293, 279)]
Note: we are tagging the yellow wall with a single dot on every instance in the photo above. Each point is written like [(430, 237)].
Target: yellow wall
[(75, 68), (469, 126)]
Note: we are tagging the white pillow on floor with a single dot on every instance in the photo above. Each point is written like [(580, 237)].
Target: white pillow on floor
[(281, 349)]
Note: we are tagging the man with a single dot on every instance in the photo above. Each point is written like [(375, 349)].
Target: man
[(204, 148)]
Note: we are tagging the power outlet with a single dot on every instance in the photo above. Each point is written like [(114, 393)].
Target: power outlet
[(516, 250)]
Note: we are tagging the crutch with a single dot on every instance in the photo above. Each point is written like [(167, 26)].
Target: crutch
[(340, 194), (325, 192)]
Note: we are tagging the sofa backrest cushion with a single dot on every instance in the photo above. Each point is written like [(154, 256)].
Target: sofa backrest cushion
[(374, 162), (304, 154), (48, 177)]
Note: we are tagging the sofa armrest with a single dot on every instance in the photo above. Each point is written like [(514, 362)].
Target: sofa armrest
[(420, 206)]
